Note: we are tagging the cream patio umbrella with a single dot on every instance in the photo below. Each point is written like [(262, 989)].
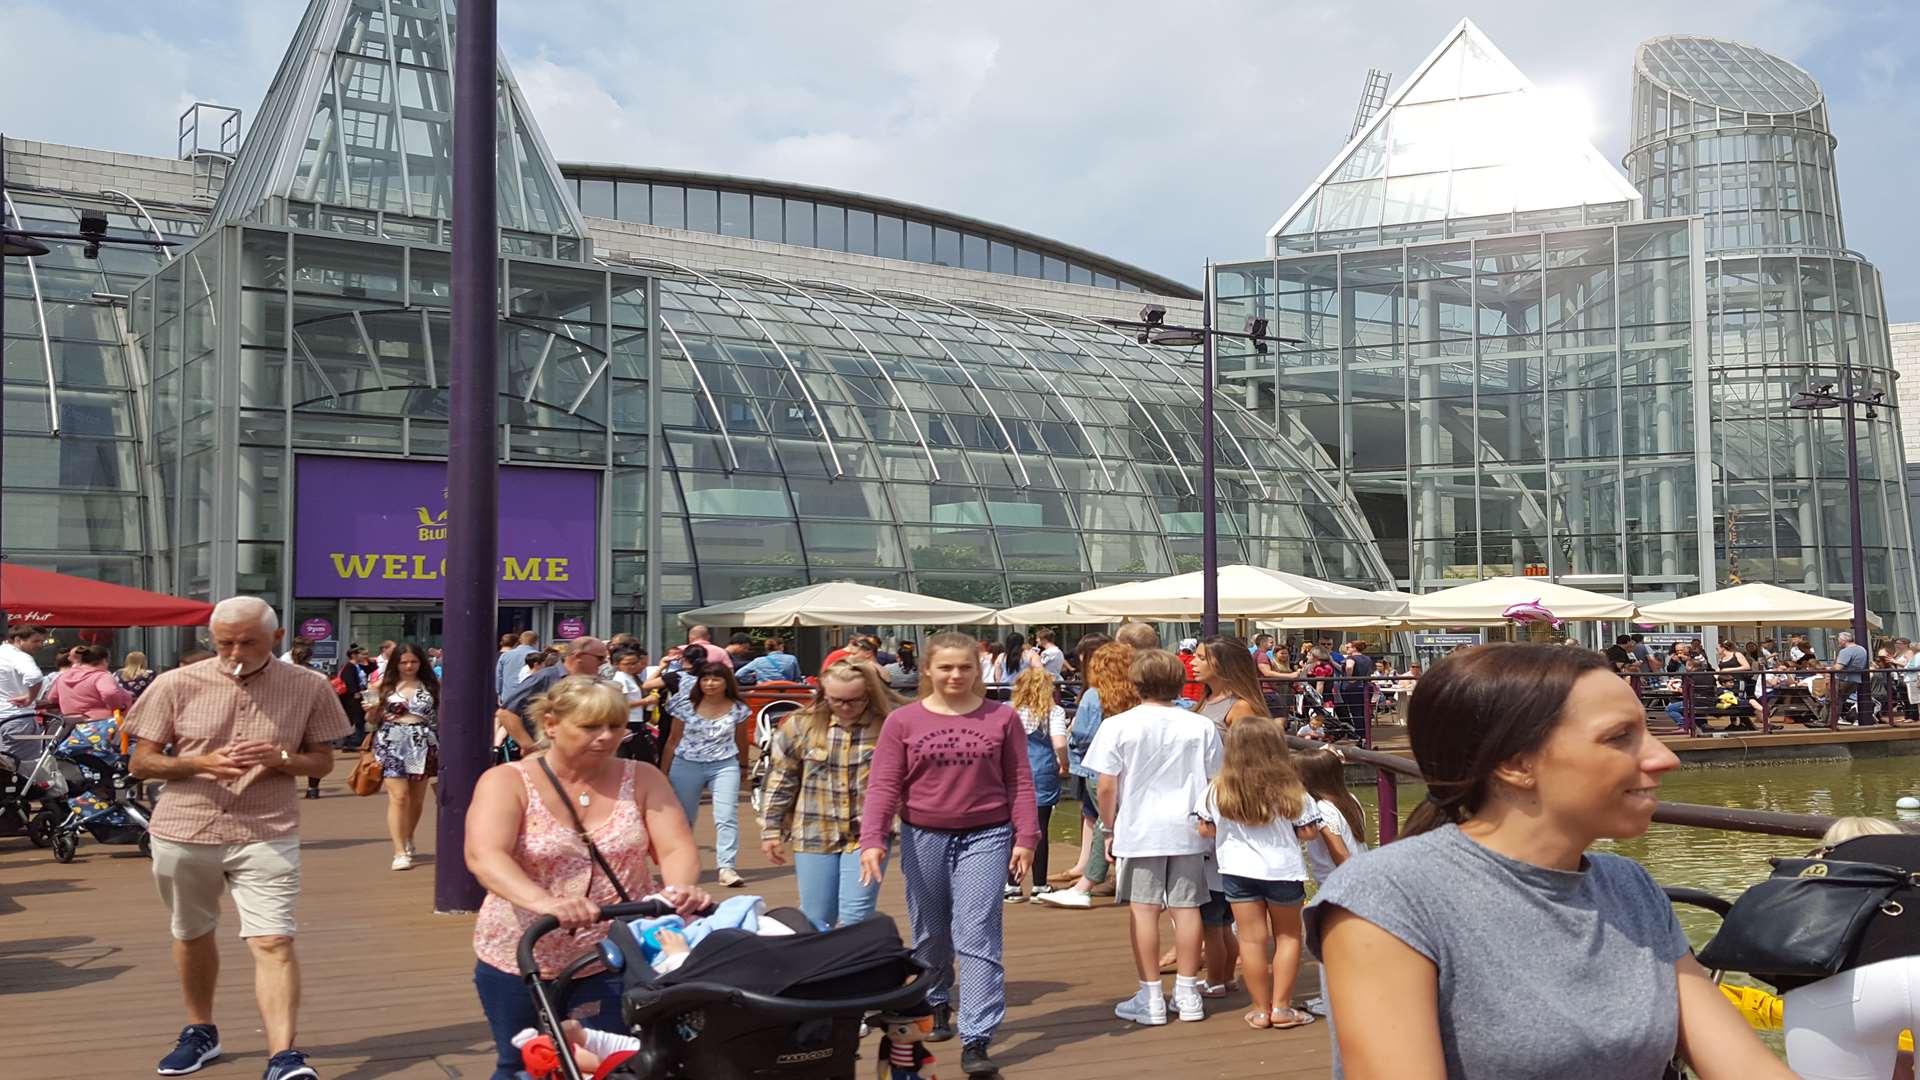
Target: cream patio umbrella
[(838, 603), (1330, 622), (1755, 604), (1483, 603), (1246, 592)]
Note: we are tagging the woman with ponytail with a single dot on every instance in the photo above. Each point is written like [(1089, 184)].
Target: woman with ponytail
[(1488, 941)]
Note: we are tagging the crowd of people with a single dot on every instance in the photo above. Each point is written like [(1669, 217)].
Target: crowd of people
[(1195, 812), (1756, 684)]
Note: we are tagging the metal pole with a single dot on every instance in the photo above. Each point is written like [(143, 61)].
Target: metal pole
[(1863, 698), (1387, 798), (1210, 548), (472, 456)]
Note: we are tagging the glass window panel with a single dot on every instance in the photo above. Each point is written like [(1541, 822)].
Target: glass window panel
[(1053, 269), (702, 208), (860, 232), (973, 252), (831, 229), (766, 218), (946, 247), (596, 197), (1001, 258), (919, 241), (845, 543), (889, 237), (1121, 553), (949, 548), (971, 589), (1027, 263), (736, 212), (722, 583), (799, 226)]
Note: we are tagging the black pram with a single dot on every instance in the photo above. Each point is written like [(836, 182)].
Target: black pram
[(742, 1006)]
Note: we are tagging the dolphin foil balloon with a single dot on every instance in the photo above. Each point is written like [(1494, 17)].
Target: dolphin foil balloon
[(1530, 611)]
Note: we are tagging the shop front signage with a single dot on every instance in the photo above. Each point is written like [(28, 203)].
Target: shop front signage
[(376, 528), (316, 629), (569, 628)]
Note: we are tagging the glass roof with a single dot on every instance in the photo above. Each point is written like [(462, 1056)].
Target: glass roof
[(1467, 135), (1728, 74), (359, 117)]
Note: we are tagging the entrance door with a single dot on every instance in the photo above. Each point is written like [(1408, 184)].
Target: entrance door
[(516, 618), (370, 626)]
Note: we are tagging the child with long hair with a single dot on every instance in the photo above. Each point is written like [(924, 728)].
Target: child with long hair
[(1045, 723), (1343, 821), (953, 767), (1257, 811), (819, 765), (1110, 692), (1073, 785)]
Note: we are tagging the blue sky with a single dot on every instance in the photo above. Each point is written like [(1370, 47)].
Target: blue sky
[(1158, 134)]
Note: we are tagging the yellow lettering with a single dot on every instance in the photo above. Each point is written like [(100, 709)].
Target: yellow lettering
[(393, 566), (420, 571), (353, 566), (523, 569), (557, 569)]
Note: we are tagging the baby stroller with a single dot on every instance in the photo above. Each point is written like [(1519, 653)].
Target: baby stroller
[(107, 802), (741, 1006), (30, 775)]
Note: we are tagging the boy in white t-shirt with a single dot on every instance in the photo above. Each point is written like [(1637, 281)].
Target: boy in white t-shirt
[(1154, 761)]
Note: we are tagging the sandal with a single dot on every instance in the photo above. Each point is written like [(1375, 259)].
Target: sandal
[(1218, 990), (1258, 1020), (1296, 1017)]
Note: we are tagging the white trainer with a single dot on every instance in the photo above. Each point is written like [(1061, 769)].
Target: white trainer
[(1143, 1008)]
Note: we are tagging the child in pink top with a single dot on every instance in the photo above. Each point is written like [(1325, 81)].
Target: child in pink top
[(954, 767)]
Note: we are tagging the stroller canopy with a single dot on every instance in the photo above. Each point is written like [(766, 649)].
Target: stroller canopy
[(41, 596)]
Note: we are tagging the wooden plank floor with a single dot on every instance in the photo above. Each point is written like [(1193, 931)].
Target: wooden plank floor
[(87, 983)]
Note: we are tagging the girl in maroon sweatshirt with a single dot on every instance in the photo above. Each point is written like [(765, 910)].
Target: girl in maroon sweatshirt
[(953, 766)]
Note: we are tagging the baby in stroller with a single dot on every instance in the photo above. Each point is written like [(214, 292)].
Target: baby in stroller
[(740, 1004)]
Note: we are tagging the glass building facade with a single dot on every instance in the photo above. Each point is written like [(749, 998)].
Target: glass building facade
[(802, 216), (1516, 362)]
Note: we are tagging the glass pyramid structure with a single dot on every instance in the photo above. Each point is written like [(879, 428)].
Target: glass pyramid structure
[(356, 131), (1467, 136)]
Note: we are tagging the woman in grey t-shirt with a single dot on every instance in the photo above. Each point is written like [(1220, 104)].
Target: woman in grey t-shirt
[(1488, 942)]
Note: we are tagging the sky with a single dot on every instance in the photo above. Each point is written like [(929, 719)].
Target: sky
[(1158, 134)]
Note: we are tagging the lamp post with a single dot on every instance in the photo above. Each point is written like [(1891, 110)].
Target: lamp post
[(1152, 328), (1816, 399), (473, 453)]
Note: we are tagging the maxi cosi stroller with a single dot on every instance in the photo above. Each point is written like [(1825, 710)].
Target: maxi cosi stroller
[(32, 784), (741, 1007)]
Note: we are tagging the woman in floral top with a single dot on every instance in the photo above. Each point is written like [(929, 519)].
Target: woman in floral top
[(406, 712), (820, 759), (701, 754)]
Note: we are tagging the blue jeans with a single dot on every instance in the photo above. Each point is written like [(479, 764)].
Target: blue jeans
[(830, 890), (690, 778), (1677, 712), (509, 1009)]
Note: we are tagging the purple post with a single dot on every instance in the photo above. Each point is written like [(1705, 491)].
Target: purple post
[(466, 713), (1387, 787)]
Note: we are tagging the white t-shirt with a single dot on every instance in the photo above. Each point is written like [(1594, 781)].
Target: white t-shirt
[(1163, 757), (636, 714), (1318, 857), (1269, 852), (18, 675), (1053, 660)]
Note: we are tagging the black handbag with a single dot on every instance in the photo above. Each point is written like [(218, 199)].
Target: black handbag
[(1806, 919)]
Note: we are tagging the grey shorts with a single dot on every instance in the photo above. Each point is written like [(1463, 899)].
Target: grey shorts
[(263, 878), (1172, 881)]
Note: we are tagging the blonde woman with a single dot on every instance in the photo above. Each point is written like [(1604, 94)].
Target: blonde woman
[(953, 765), (533, 833), (1045, 723), (818, 774), (134, 675)]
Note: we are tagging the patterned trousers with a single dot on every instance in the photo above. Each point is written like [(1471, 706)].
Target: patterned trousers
[(954, 900)]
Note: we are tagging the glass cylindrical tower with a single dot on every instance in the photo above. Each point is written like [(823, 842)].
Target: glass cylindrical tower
[(1740, 138)]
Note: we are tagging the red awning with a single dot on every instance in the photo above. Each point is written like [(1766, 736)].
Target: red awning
[(48, 599)]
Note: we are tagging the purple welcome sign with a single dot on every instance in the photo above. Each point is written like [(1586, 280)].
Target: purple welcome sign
[(376, 528)]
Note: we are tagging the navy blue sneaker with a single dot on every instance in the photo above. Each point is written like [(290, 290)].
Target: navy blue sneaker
[(199, 1044), (289, 1065)]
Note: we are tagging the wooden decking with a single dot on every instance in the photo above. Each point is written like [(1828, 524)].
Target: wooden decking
[(87, 985)]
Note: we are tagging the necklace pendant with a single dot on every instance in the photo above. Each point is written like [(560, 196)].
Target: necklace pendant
[(586, 797)]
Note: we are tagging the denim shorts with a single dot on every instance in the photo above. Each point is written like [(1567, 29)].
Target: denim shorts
[(1246, 890)]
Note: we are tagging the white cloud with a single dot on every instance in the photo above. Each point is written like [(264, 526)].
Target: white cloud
[(1156, 134)]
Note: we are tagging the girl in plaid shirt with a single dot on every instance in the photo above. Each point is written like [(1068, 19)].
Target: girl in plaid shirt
[(818, 772)]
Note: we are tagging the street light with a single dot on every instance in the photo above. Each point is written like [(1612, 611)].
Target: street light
[(1152, 328), (1823, 397)]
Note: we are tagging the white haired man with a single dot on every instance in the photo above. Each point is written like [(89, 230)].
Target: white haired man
[(241, 727)]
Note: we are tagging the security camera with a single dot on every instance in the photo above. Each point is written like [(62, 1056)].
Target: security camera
[(1153, 314)]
